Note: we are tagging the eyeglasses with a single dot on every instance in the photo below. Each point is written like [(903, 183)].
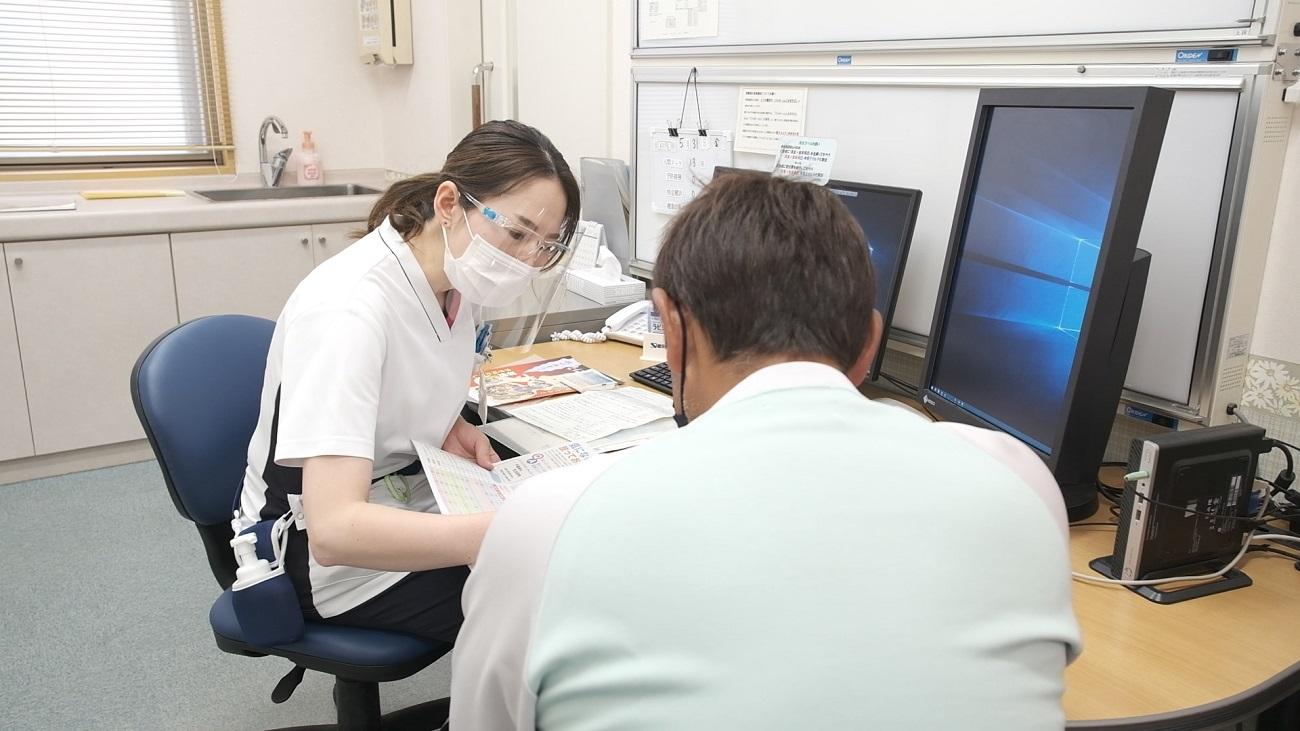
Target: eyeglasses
[(520, 241)]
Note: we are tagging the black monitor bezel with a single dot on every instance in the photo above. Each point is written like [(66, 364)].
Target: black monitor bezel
[(1150, 108), (894, 286)]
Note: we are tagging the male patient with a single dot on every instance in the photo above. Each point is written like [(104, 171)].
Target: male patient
[(797, 556)]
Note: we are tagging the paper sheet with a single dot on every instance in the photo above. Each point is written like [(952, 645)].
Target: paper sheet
[(806, 159), (589, 416), (460, 486), (681, 166), (768, 115), (35, 204), (521, 436), (663, 19)]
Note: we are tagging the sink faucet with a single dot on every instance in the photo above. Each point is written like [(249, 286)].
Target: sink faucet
[(271, 169)]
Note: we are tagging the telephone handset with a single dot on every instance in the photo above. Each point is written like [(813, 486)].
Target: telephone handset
[(630, 324)]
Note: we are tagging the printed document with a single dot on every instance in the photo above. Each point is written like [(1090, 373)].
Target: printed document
[(460, 486), (590, 416)]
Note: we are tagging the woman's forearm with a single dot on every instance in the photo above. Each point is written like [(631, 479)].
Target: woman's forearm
[(344, 529), (389, 539)]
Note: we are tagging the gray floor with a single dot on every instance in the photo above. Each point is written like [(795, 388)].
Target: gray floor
[(103, 618)]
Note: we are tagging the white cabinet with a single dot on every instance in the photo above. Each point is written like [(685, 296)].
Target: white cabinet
[(331, 238), (249, 271), (84, 310), (15, 424)]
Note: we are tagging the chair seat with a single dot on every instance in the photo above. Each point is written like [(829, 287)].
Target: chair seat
[(348, 652)]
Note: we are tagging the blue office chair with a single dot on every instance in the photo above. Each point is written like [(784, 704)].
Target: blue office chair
[(197, 391)]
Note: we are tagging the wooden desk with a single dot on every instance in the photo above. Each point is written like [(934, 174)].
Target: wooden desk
[(1204, 662)]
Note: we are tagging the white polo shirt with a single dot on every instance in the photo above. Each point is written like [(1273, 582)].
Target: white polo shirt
[(797, 557), (362, 362)]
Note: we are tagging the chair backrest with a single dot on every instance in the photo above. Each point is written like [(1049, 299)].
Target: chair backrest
[(197, 390)]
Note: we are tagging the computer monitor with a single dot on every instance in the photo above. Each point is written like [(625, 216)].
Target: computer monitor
[(1043, 282), (887, 217), (606, 200)]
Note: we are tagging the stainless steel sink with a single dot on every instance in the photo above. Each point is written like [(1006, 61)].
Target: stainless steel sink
[(222, 195)]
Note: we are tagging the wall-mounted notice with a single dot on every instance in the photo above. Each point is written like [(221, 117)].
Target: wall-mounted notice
[(806, 159), (662, 19), (767, 115), (680, 166)]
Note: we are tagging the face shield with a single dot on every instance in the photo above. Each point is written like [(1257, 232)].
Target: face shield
[(532, 238)]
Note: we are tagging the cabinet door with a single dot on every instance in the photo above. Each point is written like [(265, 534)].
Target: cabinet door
[(15, 424), (247, 271), (85, 309), (331, 238)]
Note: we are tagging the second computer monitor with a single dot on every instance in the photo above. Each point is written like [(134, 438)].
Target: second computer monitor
[(887, 216)]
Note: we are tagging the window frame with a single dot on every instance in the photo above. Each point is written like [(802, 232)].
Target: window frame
[(217, 159)]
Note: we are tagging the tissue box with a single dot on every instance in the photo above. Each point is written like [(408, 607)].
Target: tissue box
[(595, 285)]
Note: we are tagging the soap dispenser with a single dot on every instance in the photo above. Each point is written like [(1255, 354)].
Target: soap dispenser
[(309, 169)]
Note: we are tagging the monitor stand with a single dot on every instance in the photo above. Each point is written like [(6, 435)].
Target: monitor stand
[(1080, 501), (1233, 579)]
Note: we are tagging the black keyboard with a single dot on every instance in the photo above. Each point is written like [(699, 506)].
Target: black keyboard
[(656, 376)]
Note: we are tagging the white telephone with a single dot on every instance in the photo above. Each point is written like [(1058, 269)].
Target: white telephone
[(630, 324)]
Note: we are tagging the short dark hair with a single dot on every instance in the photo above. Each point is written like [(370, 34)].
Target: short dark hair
[(491, 160), (768, 266)]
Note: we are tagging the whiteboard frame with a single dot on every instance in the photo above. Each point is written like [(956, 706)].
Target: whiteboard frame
[(1261, 31), (1242, 77)]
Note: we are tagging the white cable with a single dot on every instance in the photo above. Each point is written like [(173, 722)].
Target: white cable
[(1245, 545), (578, 336), (1275, 537), (1154, 582)]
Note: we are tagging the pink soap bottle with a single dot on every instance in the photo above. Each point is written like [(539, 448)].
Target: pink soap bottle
[(309, 169)]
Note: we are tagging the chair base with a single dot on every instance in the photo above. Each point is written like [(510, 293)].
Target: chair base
[(358, 709)]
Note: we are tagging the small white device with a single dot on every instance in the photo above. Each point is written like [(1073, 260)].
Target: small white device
[(630, 324), (384, 32)]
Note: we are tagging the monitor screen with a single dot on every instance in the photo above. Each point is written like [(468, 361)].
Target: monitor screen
[(886, 216), (1021, 283)]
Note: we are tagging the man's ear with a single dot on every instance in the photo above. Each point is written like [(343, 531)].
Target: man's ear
[(858, 373), (674, 327), (445, 202)]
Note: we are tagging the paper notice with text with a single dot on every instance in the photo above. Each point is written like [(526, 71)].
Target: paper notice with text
[(768, 115)]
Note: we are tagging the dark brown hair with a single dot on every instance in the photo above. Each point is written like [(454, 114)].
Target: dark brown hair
[(492, 160), (768, 266)]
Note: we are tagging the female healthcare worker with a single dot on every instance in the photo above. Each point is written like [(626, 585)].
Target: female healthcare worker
[(374, 350)]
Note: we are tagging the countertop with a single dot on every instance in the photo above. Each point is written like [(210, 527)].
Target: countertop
[(130, 216)]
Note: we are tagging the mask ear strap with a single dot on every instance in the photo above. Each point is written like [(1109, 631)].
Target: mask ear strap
[(679, 397)]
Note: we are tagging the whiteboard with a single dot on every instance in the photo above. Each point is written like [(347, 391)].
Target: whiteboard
[(744, 23), (915, 135)]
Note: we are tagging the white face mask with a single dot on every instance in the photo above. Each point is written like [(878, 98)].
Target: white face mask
[(485, 275)]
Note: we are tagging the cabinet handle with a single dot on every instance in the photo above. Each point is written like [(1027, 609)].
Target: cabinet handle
[(305, 241), (18, 261), (321, 241)]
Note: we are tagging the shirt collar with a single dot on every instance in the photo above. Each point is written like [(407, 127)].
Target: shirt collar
[(793, 374), (395, 243)]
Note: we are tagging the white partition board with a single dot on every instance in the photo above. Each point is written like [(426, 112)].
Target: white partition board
[(916, 136), (744, 23)]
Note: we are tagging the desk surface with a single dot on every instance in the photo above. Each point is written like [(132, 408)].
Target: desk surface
[(1183, 666)]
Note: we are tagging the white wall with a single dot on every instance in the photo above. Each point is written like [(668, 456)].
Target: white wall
[(298, 59), (426, 106), (565, 70), (1277, 326)]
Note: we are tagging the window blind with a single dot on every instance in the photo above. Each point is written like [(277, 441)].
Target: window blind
[(93, 83)]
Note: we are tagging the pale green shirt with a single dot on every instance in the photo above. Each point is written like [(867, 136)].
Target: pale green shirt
[(799, 557)]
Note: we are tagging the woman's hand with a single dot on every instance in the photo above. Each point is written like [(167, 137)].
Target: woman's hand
[(466, 441)]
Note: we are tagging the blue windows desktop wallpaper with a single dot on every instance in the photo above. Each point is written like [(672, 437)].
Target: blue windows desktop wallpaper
[(1022, 281), (883, 218)]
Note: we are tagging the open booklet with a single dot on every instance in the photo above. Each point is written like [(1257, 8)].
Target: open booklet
[(461, 486), (534, 379)]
